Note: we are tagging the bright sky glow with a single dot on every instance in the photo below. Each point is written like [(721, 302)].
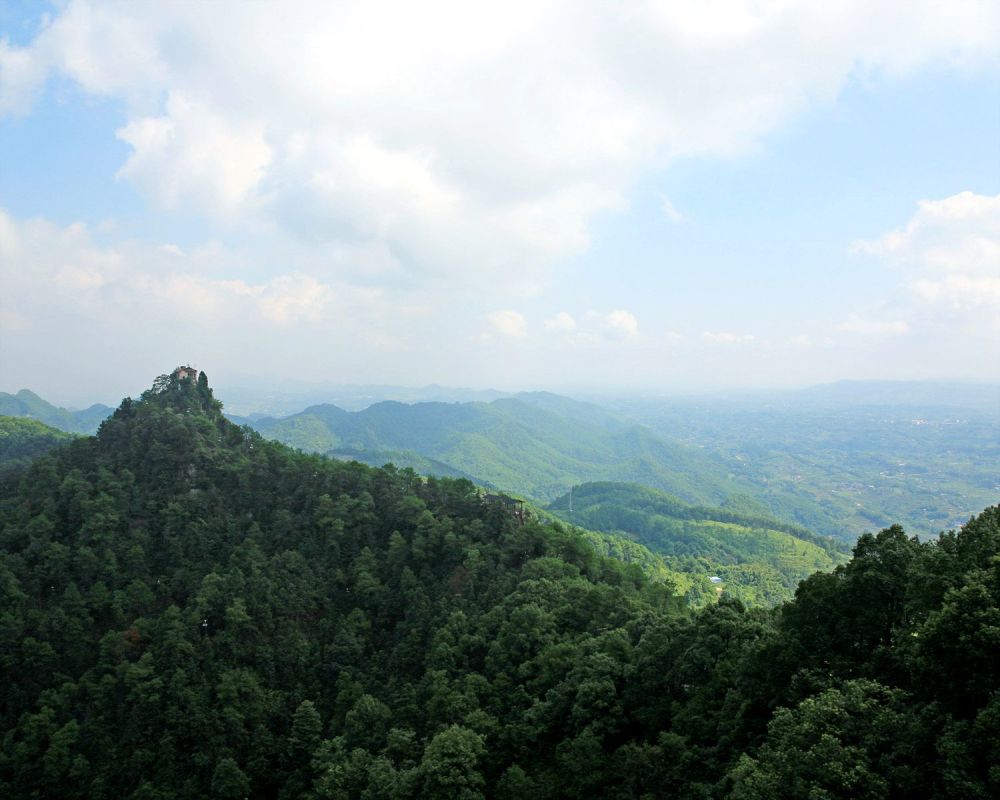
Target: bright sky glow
[(656, 195)]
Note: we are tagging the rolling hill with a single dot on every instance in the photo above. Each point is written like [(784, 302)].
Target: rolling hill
[(759, 558), (29, 405), (535, 444), (23, 440)]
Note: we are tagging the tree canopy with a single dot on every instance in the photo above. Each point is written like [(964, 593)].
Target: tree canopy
[(190, 610)]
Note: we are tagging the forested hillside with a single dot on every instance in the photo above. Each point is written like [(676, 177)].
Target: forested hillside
[(815, 458), (23, 440), (29, 405), (759, 558), (537, 445), (189, 610)]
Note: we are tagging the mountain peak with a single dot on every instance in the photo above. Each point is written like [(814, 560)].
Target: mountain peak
[(185, 389)]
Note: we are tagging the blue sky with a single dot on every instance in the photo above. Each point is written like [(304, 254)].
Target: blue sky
[(765, 194), (846, 170)]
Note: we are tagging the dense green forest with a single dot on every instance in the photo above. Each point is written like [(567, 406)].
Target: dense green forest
[(190, 610), (759, 558), (694, 585), (23, 440)]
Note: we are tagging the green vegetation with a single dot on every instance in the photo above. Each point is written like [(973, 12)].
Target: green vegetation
[(537, 445), (760, 559), (189, 610), (697, 590), (837, 460), (28, 404), (23, 440)]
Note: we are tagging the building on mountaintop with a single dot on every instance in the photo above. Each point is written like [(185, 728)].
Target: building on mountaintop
[(183, 373)]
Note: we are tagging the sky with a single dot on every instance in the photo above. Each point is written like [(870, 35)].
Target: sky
[(576, 196)]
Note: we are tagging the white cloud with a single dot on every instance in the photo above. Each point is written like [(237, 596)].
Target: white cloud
[(467, 139), (21, 72), (508, 323), (79, 279), (960, 234), (50, 272), (145, 306), (594, 329), (670, 211), (949, 253), (364, 154), (105, 50), (961, 292), (192, 152), (561, 323), (873, 327), (291, 298), (620, 324)]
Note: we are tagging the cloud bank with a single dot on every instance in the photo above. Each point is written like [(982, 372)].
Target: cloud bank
[(469, 139), (949, 256)]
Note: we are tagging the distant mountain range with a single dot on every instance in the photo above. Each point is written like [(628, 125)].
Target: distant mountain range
[(28, 404), (534, 444), (256, 402), (837, 459), (840, 395), (942, 394)]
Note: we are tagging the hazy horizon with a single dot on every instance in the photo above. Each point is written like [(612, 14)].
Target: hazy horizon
[(243, 395)]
